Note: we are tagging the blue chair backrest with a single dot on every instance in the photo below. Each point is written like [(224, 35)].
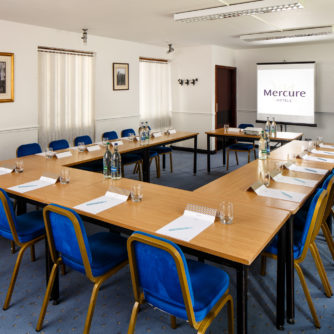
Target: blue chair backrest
[(64, 236), (83, 139), (245, 125), (60, 144), (157, 271), (5, 230), (327, 180), (128, 132), (110, 135), (309, 216), (28, 149)]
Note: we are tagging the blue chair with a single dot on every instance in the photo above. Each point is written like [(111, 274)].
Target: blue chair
[(153, 153), (24, 230), (240, 147), (303, 241), (127, 158), (83, 139), (28, 149), (60, 144), (162, 277), (98, 256)]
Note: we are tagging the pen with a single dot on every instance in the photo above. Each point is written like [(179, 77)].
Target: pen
[(179, 228), (311, 170), (93, 203), (299, 180), (322, 159), (284, 193), (28, 185)]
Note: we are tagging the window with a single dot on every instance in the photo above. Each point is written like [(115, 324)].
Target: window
[(66, 101), (155, 101)]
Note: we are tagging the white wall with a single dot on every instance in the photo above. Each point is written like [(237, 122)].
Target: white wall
[(114, 110), (194, 106), (246, 83)]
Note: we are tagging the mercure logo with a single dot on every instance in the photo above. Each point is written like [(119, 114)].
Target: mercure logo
[(284, 93)]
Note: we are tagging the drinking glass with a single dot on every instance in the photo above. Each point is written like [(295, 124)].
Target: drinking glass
[(105, 141), (291, 157), (19, 166), (266, 178), (310, 146), (49, 152), (226, 212), (319, 140), (81, 147), (136, 193), (226, 126), (131, 137), (64, 176)]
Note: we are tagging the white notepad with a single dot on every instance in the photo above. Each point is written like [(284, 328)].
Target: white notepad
[(4, 170), (322, 152), (318, 159), (63, 154), (93, 148), (294, 180), (279, 194), (44, 181), (326, 146), (188, 226), (311, 170), (99, 204), (118, 142)]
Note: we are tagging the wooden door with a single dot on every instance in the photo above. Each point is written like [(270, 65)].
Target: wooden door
[(225, 97)]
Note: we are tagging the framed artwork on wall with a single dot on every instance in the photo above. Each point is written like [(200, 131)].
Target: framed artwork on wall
[(6, 77), (121, 76)]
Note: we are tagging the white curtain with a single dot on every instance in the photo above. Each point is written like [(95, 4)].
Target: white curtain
[(155, 98), (66, 96)]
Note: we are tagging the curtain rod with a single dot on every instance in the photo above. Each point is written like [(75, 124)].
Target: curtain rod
[(65, 51), (153, 60)]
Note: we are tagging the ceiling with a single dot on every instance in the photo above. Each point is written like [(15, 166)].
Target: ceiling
[(151, 21)]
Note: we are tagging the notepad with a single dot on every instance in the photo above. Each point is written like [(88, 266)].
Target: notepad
[(295, 180), (189, 225), (63, 154), (93, 148), (5, 170), (311, 170), (118, 142), (322, 152), (326, 146), (171, 131), (156, 134), (318, 159), (99, 204), (279, 194), (233, 130), (44, 181)]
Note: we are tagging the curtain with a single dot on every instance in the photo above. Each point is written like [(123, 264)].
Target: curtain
[(66, 96), (155, 100)]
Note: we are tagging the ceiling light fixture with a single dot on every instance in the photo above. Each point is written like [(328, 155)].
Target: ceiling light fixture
[(236, 10), (170, 48), (84, 35), (303, 34)]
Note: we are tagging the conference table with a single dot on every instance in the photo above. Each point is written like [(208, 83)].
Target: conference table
[(236, 133), (256, 220), (134, 146)]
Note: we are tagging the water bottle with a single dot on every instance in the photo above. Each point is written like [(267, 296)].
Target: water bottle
[(268, 144), (107, 163), (262, 148), (142, 133), (147, 132), (273, 128), (267, 127), (116, 164)]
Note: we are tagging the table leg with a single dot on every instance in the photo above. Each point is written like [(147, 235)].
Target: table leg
[(48, 268), (146, 165), (280, 297), (195, 154), (208, 152), (224, 151), (21, 206), (242, 281), (163, 161), (290, 274)]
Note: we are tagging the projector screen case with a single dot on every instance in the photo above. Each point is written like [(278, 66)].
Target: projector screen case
[(286, 91)]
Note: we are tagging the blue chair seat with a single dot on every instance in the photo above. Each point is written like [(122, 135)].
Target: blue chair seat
[(107, 249), (28, 227), (162, 149), (241, 146)]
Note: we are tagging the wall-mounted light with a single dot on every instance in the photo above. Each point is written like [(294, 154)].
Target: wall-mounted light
[(187, 81), (84, 35)]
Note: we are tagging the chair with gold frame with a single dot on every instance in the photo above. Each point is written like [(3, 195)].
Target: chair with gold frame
[(303, 241), (162, 277), (99, 256), (329, 186), (23, 230)]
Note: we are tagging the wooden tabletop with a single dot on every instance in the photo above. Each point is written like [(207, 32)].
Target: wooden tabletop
[(281, 136)]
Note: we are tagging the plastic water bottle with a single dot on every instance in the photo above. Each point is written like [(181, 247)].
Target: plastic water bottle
[(147, 132), (142, 133), (116, 164), (273, 128), (262, 148), (268, 144), (267, 127), (107, 163)]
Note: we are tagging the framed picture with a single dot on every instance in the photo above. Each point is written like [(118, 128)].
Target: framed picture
[(6, 77), (121, 76)]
